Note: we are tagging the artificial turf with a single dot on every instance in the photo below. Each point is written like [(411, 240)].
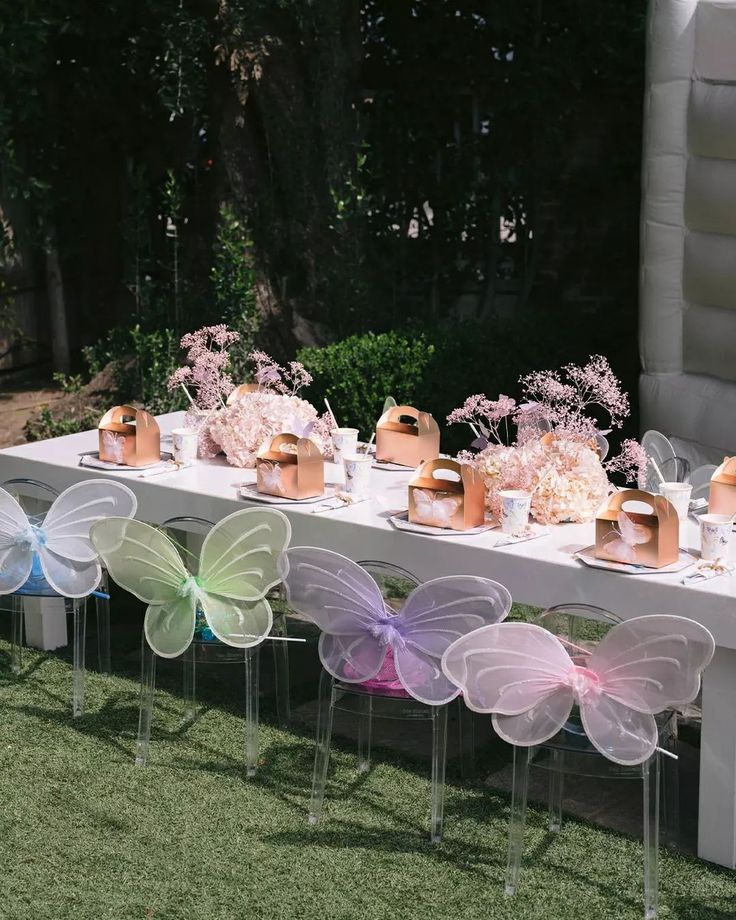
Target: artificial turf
[(84, 834)]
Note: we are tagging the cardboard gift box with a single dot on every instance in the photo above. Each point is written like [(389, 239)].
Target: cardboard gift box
[(290, 467), (722, 497), (129, 437), (649, 539), (407, 443), (241, 390), (457, 503)]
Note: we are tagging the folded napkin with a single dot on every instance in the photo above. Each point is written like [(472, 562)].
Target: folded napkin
[(339, 500), (707, 570)]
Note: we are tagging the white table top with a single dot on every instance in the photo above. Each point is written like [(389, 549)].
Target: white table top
[(539, 572)]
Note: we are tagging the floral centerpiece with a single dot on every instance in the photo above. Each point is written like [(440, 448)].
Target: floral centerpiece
[(559, 454), (251, 418), (238, 420)]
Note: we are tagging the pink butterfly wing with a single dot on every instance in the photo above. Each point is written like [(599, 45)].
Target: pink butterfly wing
[(519, 672), (344, 601), (435, 615), (643, 666)]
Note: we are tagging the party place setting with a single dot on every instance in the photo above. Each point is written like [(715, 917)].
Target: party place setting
[(254, 514)]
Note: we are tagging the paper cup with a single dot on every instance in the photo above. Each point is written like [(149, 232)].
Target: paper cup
[(715, 536), (344, 441), (678, 495), (185, 443), (515, 507), (357, 473)]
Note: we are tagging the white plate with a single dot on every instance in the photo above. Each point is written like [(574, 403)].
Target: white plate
[(93, 462), (251, 494), (401, 522), (587, 556)]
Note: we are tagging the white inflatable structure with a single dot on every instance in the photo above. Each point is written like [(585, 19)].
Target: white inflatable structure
[(688, 228)]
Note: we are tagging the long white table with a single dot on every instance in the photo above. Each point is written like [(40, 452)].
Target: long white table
[(540, 572)]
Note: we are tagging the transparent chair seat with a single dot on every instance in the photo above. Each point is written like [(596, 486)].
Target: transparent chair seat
[(382, 698), (36, 497), (189, 532), (570, 753)]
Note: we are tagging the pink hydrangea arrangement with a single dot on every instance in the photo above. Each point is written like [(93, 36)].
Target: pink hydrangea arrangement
[(251, 418), (556, 454)]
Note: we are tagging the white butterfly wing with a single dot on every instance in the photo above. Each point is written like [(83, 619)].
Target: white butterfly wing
[(16, 554), (68, 522)]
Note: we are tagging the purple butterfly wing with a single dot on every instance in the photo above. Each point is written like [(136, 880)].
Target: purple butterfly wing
[(435, 615), (345, 603)]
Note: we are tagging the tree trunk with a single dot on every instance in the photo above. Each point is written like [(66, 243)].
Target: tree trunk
[(60, 351)]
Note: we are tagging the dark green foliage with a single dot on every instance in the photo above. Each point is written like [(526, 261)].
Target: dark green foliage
[(357, 374), (142, 362)]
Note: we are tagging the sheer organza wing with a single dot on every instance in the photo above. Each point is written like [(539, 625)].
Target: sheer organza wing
[(652, 663), (519, 672), (240, 555), (241, 624), (435, 615), (169, 628), (345, 602), (140, 559), (66, 527), (620, 733), (16, 551)]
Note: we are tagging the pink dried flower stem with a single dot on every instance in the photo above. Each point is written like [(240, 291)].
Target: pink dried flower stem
[(484, 416), (272, 377), (205, 371), (631, 461)]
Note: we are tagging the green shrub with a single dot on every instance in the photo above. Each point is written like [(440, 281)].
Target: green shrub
[(357, 374)]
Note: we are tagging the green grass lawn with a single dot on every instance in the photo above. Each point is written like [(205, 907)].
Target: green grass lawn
[(84, 834)]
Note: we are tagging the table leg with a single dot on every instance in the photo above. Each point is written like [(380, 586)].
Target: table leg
[(717, 811)]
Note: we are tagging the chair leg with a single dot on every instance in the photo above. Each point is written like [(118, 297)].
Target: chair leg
[(79, 612), (365, 730), (671, 770), (517, 820), (281, 672), (650, 776), (322, 747), (556, 787), (466, 729), (102, 609), (189, 664), (439, 762), (252, 688), (145, 712), (16, 633)]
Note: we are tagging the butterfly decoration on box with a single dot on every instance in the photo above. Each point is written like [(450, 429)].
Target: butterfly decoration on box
[(237, 566), (271, 478), (358, 628), (429, 507), (59, 542), (299, 426), (525, 676), (622, 543), (114, 445)]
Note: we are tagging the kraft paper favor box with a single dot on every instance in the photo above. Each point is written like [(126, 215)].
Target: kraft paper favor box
[(651, 540), (404, 443), (457, 503), (129, 437), (722, 498), (298, 472)]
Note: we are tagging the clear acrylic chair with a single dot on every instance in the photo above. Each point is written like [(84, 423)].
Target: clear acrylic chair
[(570, 753), (358, 699), (36, 497), (189, 533), (700, 480)]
